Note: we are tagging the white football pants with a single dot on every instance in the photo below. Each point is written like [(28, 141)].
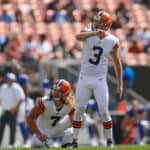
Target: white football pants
[(85, 87)]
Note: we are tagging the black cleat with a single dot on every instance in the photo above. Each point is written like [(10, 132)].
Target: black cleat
[(74, 145), (66, 145), (110, 144)]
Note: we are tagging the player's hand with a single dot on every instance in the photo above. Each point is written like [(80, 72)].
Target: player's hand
[(42, 137), (101, 32), (120, 91)]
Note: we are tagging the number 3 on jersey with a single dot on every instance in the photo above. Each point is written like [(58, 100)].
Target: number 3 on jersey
[(97, 55)]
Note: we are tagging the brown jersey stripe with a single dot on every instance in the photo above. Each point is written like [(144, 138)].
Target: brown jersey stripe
[(41, 105)]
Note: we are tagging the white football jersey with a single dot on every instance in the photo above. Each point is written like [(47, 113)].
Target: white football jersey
[(95, 55), (51, 116)]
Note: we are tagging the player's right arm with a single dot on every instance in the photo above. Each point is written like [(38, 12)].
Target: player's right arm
[(118, 68), (70, 100), (83, 35), (36, 111)]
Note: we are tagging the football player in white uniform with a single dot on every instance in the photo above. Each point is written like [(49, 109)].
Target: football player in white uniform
[(98, 46), (52, 115)]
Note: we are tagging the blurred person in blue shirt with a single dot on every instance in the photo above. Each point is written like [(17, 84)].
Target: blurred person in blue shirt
[(147, 47), (137, 112), (128, 77), (128, 80), (46, 86), (5, 17), (24, 108), (48, 82)]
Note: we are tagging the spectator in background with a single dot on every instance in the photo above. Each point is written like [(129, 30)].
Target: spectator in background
[(116, 22), (13, 47), (46, 86), (118, 126), (34, 76), (61, 17), (135, 47), (137, 1), (44, 47), (18, 16), (78, 15), (4, 16), (29, 49), (128, 77), (11, 96), (47, 83), (128, 80), (131, 35), (128, 133), (123, 13), (17, 69), (3, 42), (51, 4), (122, 105), (146, 123), (144, 35), (147, 47), (132, 127), (24, 109)]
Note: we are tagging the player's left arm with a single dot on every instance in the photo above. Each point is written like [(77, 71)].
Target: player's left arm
[(118, 67)]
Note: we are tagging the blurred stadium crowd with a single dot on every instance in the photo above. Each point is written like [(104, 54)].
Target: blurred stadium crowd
[(34, 31), (45, 30)]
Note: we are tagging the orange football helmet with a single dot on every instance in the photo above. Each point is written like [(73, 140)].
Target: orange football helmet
[(102, 20), (61, 89)]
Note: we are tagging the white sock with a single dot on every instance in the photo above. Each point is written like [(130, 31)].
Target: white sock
[(108, 133)]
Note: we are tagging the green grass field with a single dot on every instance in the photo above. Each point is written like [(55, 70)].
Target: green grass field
[(131, 147)]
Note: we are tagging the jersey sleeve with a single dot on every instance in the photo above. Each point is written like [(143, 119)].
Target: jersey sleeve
[(71, 113), (115, 43), (40, 104), (116, 46)]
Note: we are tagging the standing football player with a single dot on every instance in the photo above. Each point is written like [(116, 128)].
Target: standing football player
[(52, 115), (99, 44)]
